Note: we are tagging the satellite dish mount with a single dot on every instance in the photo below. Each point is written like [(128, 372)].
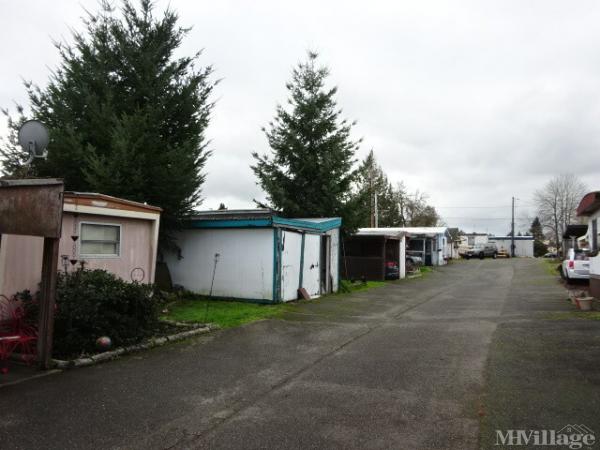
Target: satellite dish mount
[(33, 137)]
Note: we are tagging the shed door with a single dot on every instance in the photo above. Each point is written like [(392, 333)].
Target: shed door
[(311, 270), (291, 248)]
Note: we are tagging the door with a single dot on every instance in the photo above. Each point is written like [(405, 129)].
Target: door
[(291, 248), (428, 252)]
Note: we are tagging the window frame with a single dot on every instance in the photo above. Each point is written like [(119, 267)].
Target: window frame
[(100, 255)]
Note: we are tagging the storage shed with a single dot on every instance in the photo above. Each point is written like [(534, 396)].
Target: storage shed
[(375, 254), (117, 235), (256, 255)]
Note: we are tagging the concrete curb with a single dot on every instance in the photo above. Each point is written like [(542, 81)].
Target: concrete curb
[(151, 343)]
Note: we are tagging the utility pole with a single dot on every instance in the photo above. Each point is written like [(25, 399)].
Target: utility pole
[(376, 213), (512, 230)]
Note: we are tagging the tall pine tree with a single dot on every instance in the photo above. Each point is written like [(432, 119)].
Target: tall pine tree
[(126, 117), (309, 172), (537, 231), (372, 181)]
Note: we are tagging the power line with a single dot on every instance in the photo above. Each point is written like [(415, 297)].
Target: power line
[(477, 207), (485, 218)]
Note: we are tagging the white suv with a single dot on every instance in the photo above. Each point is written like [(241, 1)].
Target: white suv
[(576, 265)]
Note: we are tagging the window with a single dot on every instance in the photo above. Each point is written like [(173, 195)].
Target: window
[(100, 240)]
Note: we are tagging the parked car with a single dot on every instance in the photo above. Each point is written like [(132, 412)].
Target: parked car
[(576, 265), (392, 270), (482, 251), (413, 262), (551, 255), (503, 254)]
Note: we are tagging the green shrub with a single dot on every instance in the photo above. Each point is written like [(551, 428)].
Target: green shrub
[(94, 303)]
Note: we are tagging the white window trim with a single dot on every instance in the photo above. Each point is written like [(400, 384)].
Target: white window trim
[(100, 256)]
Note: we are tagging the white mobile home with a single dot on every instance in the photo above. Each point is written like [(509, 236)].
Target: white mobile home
[(523, 245), (433, 244), (257, 255)]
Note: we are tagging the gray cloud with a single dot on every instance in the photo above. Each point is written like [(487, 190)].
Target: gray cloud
[(472, 102)]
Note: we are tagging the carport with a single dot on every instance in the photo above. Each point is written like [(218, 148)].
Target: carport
[(370, 253)]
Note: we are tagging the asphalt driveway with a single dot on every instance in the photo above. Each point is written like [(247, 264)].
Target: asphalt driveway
[(439, 362)]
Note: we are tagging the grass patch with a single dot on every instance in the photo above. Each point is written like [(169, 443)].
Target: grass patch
[(550, 266), (347, 287), (224, 313), (590, 315)]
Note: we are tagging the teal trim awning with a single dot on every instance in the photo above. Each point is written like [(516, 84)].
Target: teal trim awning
[(320, 225)]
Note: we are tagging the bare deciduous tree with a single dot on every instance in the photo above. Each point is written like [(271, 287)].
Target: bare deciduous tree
[(557, 203)]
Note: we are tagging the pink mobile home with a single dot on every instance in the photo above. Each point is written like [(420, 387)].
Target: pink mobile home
[(108, 233)]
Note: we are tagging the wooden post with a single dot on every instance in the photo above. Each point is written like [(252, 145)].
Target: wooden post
[(47, 301), (383, 258)]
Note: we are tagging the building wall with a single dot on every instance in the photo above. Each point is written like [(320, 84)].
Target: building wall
[(594, 261), (21, 256), (402, 262), (589, 235), (334, 258), (523, 247), (244, 268)]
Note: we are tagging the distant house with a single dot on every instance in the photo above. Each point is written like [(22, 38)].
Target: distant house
[(256, 255), (375, 254), (103, 232), (589, 211), (476, 239), (523, 245), (432, 244)]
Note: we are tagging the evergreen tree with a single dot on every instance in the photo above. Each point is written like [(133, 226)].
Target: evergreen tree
[(395, 206), (126, 117), (309, 172), (537, 231), (372, 182)]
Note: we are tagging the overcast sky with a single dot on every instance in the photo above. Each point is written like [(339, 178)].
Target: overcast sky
[(471, 102)]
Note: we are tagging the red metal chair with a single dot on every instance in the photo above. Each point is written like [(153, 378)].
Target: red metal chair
[(15, 334)]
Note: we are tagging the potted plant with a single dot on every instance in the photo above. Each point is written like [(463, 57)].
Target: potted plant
[(585, 303)]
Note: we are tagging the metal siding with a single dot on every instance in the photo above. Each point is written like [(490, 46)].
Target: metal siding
[(244, 270), (310, 276)]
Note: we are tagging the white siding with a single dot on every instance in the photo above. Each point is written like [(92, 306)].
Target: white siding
[(523, 247), (290, 264), (311, 272), (402, 262), (244, 269), (594, 261), (334, 268)]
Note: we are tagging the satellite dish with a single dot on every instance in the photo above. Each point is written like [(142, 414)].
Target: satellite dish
[(33, 137)]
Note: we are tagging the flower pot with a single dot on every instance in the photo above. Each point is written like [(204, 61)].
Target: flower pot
[(585, 303)]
